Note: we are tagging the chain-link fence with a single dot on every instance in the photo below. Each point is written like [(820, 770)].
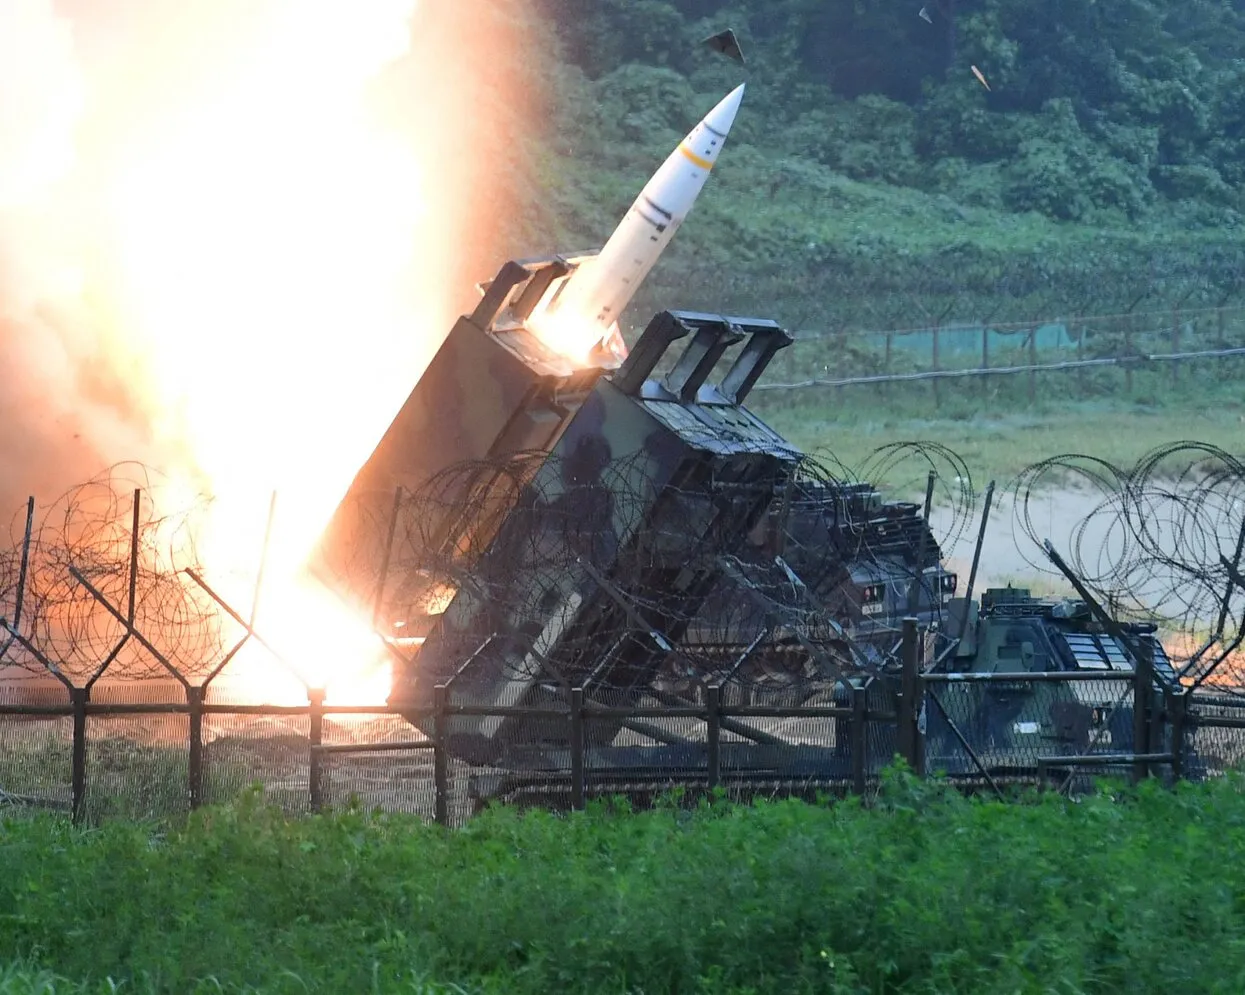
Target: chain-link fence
[(1136, 354), (135, 751), (132, 686)]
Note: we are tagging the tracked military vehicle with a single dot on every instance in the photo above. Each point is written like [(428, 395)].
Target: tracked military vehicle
[(634, 541), (1006, 727)]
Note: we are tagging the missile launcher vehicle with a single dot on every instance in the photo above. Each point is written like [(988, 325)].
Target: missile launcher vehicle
[(666, 540), (547, 517), (642, 539)]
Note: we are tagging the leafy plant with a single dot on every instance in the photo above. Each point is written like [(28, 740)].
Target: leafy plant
[(924, 890)]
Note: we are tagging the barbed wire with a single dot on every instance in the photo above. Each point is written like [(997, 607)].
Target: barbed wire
[(63, 627), (619, 573), (633, 573), (1157, 541)]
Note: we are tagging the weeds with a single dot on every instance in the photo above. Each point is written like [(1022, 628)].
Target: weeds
[(998, 438), (924, 891)]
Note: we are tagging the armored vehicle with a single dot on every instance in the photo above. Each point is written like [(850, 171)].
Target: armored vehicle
[(1010, 725), (637, 539)]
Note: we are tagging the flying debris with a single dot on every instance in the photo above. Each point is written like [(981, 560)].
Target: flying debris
[(980, 78), (726, 43), (924, 15)]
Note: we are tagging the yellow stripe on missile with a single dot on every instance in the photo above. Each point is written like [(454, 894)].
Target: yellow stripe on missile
[(702, 163)]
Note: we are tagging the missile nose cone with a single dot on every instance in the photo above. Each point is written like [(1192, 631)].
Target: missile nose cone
[(722, 116)]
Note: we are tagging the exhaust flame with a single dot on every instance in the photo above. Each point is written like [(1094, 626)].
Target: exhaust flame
[(214, 223), (278, 188), (571, 332), (577, 338)]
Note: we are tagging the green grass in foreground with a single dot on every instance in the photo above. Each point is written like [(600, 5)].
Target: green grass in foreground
[(925, 892), (999, 434)]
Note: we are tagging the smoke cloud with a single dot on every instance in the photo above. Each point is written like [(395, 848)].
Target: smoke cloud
[(232, 233)]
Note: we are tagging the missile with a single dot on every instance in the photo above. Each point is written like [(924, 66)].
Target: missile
[(584, 311)]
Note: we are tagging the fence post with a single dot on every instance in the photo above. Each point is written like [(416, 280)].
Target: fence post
[(1128, 352), (713, 733), (78, 699), (838, 342), (1175, 344), (937, 388), (440, 768), (907, 711), (1033, 359), (1143, 687), (577, 749), (886, 362), (1082, 330), (985, 360), (1176, 701), (860, 740), (194, 761), (315, 736), (1158, 717)]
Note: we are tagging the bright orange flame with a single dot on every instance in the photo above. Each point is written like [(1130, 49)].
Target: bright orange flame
[(265, 239), (559, 322), (579, 340), (313, 641), (221, 254), (228, 218), (567, 334)]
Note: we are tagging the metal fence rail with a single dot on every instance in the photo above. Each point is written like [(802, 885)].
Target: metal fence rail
[(113, 702), (1139, 359), (1172, 339), (82, 757)]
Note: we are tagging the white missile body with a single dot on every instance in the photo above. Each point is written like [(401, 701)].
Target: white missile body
[(596, 294)]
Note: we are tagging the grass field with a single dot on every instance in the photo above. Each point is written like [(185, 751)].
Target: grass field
[(998, 435), (924, 891)]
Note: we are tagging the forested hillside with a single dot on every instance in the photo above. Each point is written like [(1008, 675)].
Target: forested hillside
[(872, 179)]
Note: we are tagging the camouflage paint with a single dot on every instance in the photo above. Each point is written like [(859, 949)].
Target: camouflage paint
[(638, 487), (1013, 723), (491, 390)]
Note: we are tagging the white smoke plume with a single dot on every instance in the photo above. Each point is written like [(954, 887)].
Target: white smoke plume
[(232, 233)]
